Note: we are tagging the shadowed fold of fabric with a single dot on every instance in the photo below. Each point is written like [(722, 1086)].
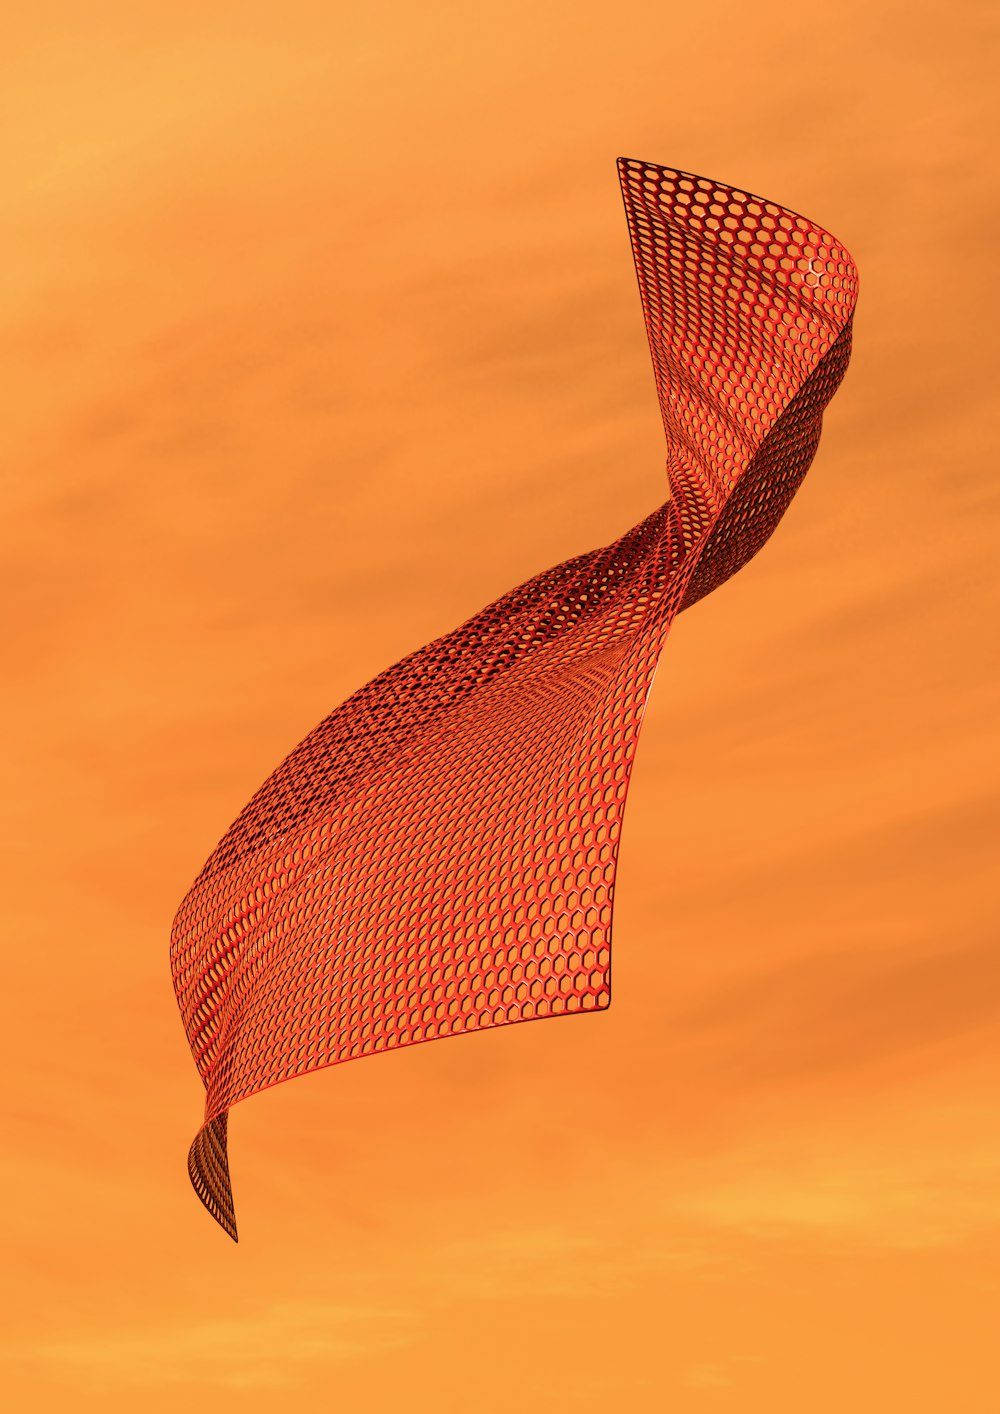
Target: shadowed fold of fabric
[(438, 855)]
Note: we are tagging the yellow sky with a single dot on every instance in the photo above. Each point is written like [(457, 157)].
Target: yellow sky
[(320, 331)]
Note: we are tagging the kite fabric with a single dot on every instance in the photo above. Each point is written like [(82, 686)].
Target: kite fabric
[(438, 855)]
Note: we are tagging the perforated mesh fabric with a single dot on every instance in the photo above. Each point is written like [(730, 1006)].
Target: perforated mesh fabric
[(438, 855)]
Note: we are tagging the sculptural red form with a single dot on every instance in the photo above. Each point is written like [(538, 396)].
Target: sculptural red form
[(438, 855)]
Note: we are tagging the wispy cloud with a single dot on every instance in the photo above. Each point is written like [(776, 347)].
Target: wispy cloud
[(879, 1197), (272, 1346)]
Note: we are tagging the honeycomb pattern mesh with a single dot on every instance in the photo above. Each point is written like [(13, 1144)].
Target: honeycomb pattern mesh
[(438, 855)]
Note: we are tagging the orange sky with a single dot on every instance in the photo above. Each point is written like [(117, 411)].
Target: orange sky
[(320, 330)]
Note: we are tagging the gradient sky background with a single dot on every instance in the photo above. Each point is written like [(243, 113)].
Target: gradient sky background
[(320, 330)]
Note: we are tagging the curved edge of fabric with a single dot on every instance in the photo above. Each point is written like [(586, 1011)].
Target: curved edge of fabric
[(438, 855), (208, 1170)]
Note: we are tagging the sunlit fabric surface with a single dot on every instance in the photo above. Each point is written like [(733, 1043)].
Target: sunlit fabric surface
[(438, 855)]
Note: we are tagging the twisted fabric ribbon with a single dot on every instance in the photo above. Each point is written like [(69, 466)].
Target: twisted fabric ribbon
[(438, 855)]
